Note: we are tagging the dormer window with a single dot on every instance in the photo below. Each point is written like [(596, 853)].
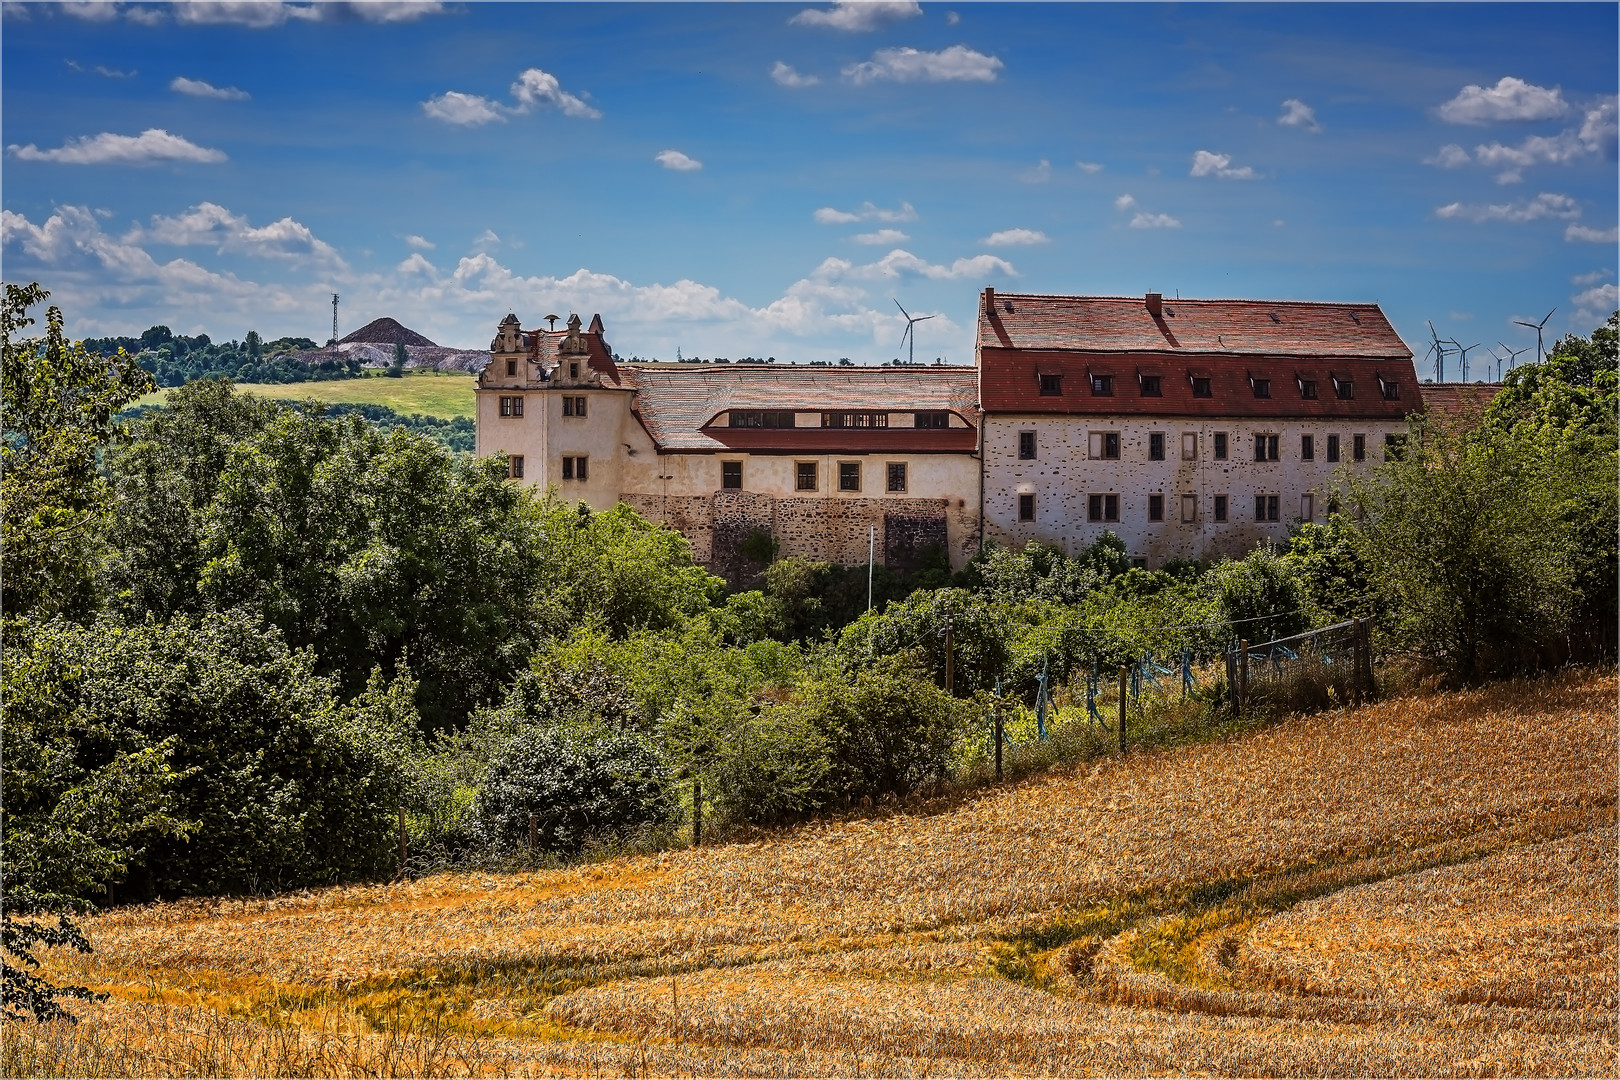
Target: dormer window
[(1102, 385), (1201, 386), (1051, 385), (511, 367), (573, 370), (1390, 388), (1344, 387), (1262, 387), (1152, 385), (1307, 389)]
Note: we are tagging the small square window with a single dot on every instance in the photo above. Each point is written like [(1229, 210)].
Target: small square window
[(731, 474), (1105, 445), (1156, 446), (931, 419), (1265, 447), (1307, 448), (1307, 389), (1051, 385), (1189, 508), (1201, 387), (1359, 448), (515, 466), (805, 476), (1220, 446), (511, 367), (897, 476), (573, 370), (1026, 507), (1262, 388), (1152, 385), (849, 476), (1026, 446), (1345, 388), (1391, 388), (1333, 448), (1155, 507), (1102, 386), (1307, 507), (1189, 446), (1265, 508), (1102, 507), (1220, 508)]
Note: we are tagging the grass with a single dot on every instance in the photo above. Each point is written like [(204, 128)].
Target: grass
[(446, 395)]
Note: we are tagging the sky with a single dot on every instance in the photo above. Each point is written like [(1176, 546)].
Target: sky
[(732, 180)]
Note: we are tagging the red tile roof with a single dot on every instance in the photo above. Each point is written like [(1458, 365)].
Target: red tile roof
[(546, 347), (1459, 401)]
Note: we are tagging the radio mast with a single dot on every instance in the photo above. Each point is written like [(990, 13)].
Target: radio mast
[(334, 320)]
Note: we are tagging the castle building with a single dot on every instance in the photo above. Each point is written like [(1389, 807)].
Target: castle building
[(1191, 428)]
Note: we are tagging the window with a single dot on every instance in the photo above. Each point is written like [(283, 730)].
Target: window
[(573, 406), (1391, 389), (574, 468), (573, 370), (1102, 385), (1333, 448), (1265, 447), (897, 476), (1265, 508), (931, 419), (1307, 448), (1394, 447), (1026, 446), (805, 476), (515, 466), (1220, 508), (1155, 507), (1189, 446), (511, 406), (849, 476), (1345, 388), (1138, 562), (1051, 385), (1307, 389), (1262, 387), (511, 367), (1201, 387), (1220, 446), (854, 420), (1026, 507), (1156, 446), (731, 474), (1102, 508), (758, 418), (1152, 385), (1189, 508), (1359, 450), (1105, 445), (1307, 507)]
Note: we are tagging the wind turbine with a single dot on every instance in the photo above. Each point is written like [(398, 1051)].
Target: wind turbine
[(1537, 328), (1513, 354), (1438, 351), (1464, 352), (910, 323)]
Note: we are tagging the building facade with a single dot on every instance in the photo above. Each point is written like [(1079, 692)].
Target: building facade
[(1191, 428)]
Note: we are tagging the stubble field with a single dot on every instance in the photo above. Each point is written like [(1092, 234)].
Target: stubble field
[(1425, 886)]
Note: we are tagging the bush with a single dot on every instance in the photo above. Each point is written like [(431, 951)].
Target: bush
[(772, 767), (582, 782)]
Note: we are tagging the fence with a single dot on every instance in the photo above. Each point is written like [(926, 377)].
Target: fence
[(1314, 670)]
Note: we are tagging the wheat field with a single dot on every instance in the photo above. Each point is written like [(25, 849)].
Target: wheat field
[(1424, 886)]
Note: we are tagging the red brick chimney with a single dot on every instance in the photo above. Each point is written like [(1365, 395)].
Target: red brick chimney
[(1155, 304), (989, 300)]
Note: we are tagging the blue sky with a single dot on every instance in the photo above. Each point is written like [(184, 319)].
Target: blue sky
[(767, 179)]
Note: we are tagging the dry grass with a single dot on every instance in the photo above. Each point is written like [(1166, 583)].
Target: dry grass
[(851, 946)]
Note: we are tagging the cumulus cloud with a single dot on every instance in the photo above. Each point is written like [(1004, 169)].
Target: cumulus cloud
[(150, 147), (867, 211), (198, 88), (677, 161), (1154, 221), (955, 64), (421, 243), (1509, 99), (1545, 205), (1090, 168), (1576, 233), (881, 236), (1597, 302), (1207, 163), (1015, 237), (90, 10), (1125, 202), (783, 74), (114, 73), (1297, 114), (532, 89), (211, 225), (900, 263), (1599, 130), (1449, 156), (262, 15), (857, 16)]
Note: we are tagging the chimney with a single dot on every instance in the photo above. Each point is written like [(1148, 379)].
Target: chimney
[(1155, 305), (989, 300)]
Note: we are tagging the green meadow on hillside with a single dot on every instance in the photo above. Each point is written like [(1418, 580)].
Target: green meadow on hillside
[(446, 395)]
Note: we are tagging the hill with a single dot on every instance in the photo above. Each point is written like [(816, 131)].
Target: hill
[(386, 331)]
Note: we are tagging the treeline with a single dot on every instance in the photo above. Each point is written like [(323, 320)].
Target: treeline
[(175, 359), (238, 635)]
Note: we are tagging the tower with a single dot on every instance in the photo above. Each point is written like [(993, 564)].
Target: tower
[(334, 320)]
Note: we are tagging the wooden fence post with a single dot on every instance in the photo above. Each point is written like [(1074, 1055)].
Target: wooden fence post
[(1124, 675), (997, 714), (1243, 676), (403, 854), (697, 812), (1355, 650)]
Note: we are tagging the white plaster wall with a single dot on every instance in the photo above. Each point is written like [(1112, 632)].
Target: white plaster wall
[(1063, 475)]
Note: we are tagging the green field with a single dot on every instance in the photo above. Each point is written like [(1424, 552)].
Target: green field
[(433, 393)]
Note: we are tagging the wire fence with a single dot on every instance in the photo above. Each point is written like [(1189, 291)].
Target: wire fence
[(1314, 670)]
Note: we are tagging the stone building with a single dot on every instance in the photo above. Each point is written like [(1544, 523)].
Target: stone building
[(1192, 428)]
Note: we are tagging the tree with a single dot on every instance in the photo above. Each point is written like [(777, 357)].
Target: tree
[(58, 406), (254, 345)]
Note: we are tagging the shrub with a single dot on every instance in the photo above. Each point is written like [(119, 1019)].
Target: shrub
[(771, 767)]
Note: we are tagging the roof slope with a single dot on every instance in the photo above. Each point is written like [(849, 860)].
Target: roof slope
[(1459, 401), (385, 331)]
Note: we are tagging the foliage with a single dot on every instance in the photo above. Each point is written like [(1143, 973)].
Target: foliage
[(57, 403), (23, 994), (916, 625), (1040, 572), (175, 359), (1260, 595), (1331, 571)]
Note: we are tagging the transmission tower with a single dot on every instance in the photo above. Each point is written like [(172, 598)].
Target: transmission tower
[(334, 320)]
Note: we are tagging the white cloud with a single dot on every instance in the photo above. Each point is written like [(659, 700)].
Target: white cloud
[(867, 211), (209, 224), (1545, 205), (1154, 221), (416, 263), (1591, 277), (531, 89), (90, 10), (1125, 202), (114, 73), (1558, 149), (881, 236), (1575, 233), (1509, 99), (1090, 168), (1599, 129), (149, 147), (198, 88), (261, 15), (1039, 173), (856, 16), (144, 16), (1597, 302), (900, 263), (784, 75), (1015, 237), (1297, 114), (421, 243), (1449, 156), (952, 18), (486, 239), (955, 64), (1207, 163), (677, 161)]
